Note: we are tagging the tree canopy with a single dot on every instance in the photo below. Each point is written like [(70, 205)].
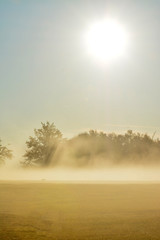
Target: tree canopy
[(99, 148), (42, 147), (5, 153), (91, 148)]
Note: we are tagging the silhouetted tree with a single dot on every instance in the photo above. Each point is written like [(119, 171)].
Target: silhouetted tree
[(90, 148), (86, 148), (41, 148), (5, 153)]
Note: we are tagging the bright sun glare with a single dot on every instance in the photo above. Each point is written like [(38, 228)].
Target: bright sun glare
[(106, 40)]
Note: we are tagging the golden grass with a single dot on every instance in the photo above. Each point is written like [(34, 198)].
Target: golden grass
[(47, 211)]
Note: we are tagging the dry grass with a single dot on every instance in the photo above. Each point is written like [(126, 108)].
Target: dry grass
[(47, 211)]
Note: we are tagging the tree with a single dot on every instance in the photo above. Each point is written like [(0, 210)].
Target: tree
[(99, 149), (42, 147), (5, 153)]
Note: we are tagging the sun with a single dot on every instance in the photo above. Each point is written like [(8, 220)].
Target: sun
[(106, 40)]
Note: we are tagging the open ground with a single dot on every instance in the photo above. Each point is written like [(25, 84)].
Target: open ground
[(50, 211)]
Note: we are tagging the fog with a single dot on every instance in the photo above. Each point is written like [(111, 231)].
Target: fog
[(90, 156), (72, 175)]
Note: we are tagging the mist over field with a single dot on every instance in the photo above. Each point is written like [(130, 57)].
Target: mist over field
[(90, 174), (89, 156)]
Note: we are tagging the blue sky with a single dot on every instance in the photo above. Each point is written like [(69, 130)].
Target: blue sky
[(46, 73)]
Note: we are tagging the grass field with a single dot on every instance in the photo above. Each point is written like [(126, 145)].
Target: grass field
[(47, 211)]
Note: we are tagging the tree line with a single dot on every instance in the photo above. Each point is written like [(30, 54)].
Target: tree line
[(48, 148)]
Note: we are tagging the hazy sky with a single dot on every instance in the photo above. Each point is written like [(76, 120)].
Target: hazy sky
[(46, 72)]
